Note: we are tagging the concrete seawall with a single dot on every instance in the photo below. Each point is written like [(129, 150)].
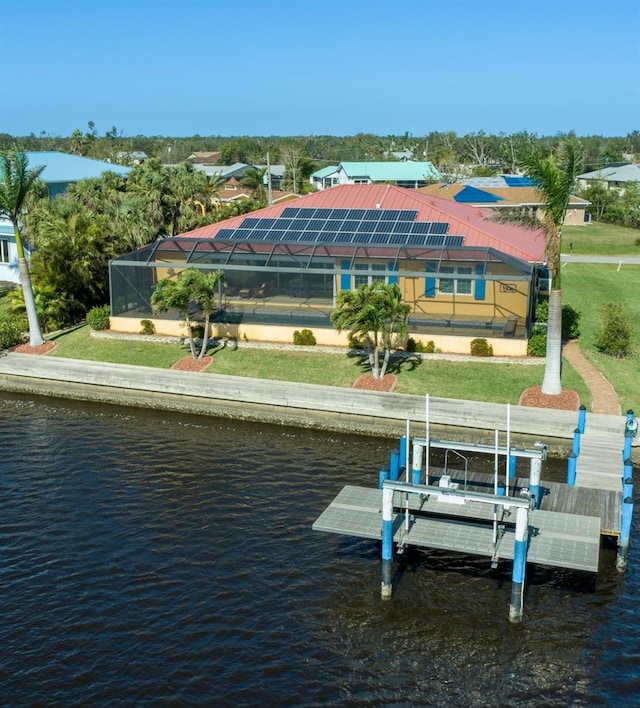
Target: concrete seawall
[(301, 405)]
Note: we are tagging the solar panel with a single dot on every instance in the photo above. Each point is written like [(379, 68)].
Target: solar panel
[(355, 214), (225, 233), (291, 236), (311, 236), (366, 227), (379, 238), (382, 227), (349, 225), (389, 214), (407, 215), (420, 227), (339, 213), (331, 225), (439, 227), (291, 212), (323, 213)]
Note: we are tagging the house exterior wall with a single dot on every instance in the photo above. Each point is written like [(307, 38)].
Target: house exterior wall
[(9, 254), (324, 336)]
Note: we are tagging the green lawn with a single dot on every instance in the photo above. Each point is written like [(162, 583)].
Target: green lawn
[(482, 381), (598, 239), (5, 297), (586, 287)]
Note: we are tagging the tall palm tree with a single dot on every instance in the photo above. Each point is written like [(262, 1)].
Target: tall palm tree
[(555, 176), (253, 179), (16, 181)]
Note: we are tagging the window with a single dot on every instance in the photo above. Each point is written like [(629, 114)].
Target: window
[(452, 285), (370, 273), (4, 250)]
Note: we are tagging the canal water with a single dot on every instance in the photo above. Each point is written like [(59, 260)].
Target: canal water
[(151, 559)]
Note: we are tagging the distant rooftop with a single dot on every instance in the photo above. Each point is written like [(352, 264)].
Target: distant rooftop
[(62, 168)]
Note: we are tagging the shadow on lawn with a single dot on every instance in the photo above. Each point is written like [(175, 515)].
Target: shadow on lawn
[(398, 361)]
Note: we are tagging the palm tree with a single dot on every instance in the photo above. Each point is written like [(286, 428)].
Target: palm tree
[(555, 176), (253, 179), (376, 313), (189, 290), (16, 181)]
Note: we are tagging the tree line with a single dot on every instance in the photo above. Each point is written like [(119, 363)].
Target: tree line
[(446, 149)]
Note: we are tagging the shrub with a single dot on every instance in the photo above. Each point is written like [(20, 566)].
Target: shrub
[(614, 337), (420, 347), (480, 347), (197, 331), (98, 318), (11, 331), (570, 319), (304, 338), (356, 342), (537, 344), (147, 327)]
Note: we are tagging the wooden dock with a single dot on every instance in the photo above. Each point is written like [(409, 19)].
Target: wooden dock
[(599, 464)]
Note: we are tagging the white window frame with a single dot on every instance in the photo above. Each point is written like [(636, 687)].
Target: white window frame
[(453, 286), (5, 256), (370, 274)]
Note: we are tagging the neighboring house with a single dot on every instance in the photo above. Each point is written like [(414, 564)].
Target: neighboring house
[(463, 274), (137, 157), (60, 170), (204, 158), (402, 174), (505, 192), (611, 177), (232, 175)]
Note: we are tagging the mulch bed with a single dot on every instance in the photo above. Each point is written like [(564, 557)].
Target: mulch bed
[(567, 400), (366, 382), (188, 363), (42, 349)]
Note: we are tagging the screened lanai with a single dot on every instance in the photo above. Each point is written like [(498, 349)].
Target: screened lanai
[(452, 289)]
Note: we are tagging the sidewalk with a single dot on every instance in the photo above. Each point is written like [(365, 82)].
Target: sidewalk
[(603, 396)]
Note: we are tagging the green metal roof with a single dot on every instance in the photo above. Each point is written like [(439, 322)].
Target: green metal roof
[(392, 171)]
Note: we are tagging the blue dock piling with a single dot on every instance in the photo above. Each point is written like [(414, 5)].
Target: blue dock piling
[(571, 469), (576, 442), (512, 467), (416, 464), (382, 475), (394, 466), (402, 457), (387, 542), (582, 419), (519, 565), (626, 517), (535, 471)]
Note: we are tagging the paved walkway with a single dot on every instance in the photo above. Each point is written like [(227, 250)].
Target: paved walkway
[(603, 396)]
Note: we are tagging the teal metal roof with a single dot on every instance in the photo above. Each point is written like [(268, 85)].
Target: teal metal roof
[(325, 172), (60, 167), (392, 171)]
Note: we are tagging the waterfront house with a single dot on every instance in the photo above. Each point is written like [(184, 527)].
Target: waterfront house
[(402, 174), (463, 274)]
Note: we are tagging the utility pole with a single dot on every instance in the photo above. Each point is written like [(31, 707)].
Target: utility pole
[(269, 190)]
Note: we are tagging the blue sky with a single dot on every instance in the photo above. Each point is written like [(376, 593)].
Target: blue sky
[(331, 67)]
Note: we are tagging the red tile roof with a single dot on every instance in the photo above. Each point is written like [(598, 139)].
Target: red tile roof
[(473, 223)]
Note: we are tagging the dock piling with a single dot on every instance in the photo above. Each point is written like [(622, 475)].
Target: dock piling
[(387, 542), (582, 419), (535, 470), (416, 465), (394, 465), (626, 517), (519, 565), (572, 460), (576, 442)]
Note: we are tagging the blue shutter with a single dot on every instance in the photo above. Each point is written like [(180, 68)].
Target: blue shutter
[(481, 283), (345, 278), (393, 279), (430, 283)]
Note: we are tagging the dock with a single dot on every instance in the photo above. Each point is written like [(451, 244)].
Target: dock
[(501, 516)]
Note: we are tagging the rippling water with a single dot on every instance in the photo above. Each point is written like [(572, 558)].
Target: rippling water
[(154, 559)]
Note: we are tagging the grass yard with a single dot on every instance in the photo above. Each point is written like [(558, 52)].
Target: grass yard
[(586, 287), (5, 298), (482, 381), (598, 239)]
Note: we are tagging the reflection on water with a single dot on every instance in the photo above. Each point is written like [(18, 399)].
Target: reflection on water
[(156, 558)]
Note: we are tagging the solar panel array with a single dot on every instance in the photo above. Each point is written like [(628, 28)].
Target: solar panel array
[(381, 227)]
